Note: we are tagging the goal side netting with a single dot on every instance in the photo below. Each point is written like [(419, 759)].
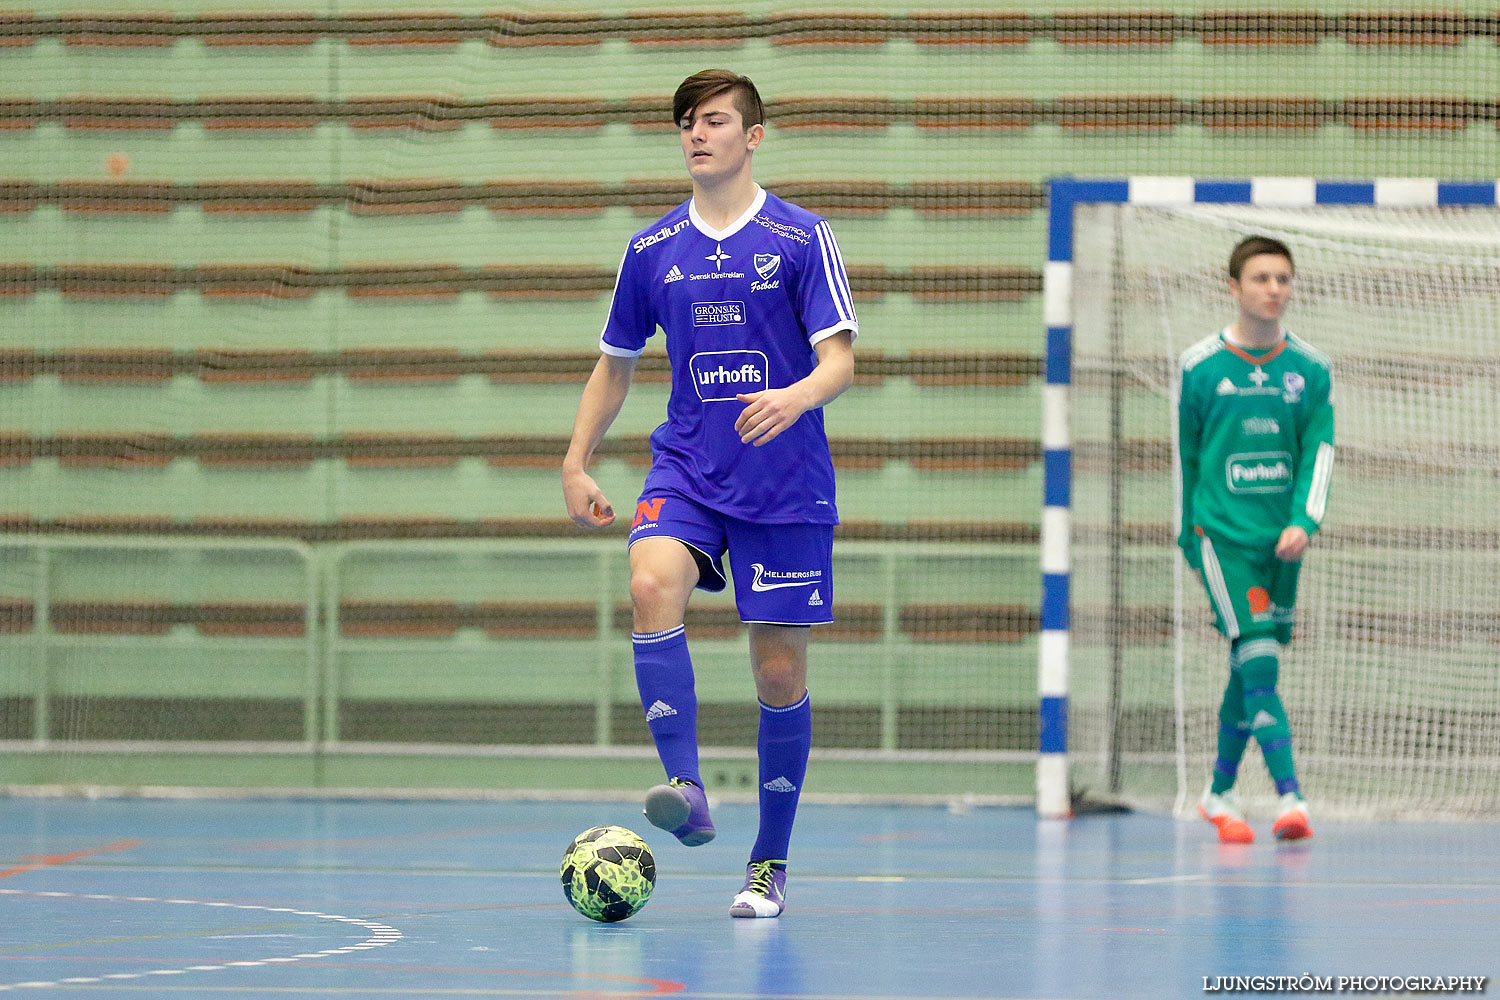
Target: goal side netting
[(1392, 682)]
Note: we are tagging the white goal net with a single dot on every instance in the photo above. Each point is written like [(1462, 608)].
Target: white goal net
[(1392, 682)]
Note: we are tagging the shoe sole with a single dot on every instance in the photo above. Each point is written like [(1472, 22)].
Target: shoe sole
[(744, 911), (1231, 831), (748, 910), (667, 809), (697, 838), (1292, 829)]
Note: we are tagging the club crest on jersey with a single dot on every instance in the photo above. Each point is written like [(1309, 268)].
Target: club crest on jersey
[(1292, 385), (766, 265), (722, 375)]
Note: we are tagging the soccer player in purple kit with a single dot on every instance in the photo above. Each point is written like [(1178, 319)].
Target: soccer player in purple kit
[(752, 295)]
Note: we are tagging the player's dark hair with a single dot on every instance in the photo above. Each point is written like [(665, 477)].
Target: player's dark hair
[(711, 83), (1252, 246)]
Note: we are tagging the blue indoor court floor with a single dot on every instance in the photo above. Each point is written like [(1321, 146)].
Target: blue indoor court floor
[(285, 898)]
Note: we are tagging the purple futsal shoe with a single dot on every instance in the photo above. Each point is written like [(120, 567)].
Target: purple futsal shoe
[(681, 808), (764, 894)]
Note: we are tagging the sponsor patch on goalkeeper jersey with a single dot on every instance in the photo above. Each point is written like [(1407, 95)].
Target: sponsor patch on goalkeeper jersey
[(1259, 472)]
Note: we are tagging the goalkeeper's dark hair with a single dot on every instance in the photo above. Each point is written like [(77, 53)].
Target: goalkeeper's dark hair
[(1252, 246), (710, 83)]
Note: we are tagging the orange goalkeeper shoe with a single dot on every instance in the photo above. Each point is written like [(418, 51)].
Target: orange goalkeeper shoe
[(1224, 813), (1292, 823)]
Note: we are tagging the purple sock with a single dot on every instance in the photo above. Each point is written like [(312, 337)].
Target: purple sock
[(664, 678), (784, 743)]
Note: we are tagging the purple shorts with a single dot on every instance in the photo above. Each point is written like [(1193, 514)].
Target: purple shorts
[(783, 573)]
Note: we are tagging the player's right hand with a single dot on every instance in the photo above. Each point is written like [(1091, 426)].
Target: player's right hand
[(587, 505)]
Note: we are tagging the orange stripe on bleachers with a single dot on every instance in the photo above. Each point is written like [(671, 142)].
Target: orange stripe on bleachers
[(407, 196), (136, 30), (264, 28), (970, 27), (1137, 27), (1263, 27), (833, 28), (696, 28), (442, 281), (829, 196), (1086, 111), (716, 28), (516, 29), (421, 30)]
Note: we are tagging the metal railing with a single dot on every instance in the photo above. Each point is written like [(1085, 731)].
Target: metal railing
[(324, 644), (42, 637)]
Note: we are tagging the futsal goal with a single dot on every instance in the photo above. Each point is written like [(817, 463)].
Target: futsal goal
[(1392, 683)]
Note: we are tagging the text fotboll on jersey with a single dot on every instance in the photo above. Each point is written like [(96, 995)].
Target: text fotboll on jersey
[(723, 375)]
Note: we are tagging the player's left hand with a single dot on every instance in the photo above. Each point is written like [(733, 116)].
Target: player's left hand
[(1292, 544), (768, 414)]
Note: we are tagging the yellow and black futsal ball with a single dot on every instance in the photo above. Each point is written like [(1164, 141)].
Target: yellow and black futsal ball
[(608, 873)]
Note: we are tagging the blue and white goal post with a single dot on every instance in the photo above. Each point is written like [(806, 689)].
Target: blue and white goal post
[(1065, 196)]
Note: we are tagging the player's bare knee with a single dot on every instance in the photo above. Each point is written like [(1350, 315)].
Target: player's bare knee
[(657, 595), (780, 677), (779, 690), (645, 589)]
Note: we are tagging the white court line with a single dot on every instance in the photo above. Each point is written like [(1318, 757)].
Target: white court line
[(380, 935)]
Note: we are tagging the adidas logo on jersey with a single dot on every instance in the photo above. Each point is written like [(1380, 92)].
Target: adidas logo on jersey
[(779, 785), (815, 601), (659, 710), (1226, 387), (673, 275)]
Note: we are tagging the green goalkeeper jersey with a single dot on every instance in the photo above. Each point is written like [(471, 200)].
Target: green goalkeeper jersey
[(1256, 441)]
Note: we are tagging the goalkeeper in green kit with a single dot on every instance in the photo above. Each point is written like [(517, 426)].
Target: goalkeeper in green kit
[(1255, 422)]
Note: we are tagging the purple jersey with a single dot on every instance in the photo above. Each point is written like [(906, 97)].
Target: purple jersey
[(742, 309)]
